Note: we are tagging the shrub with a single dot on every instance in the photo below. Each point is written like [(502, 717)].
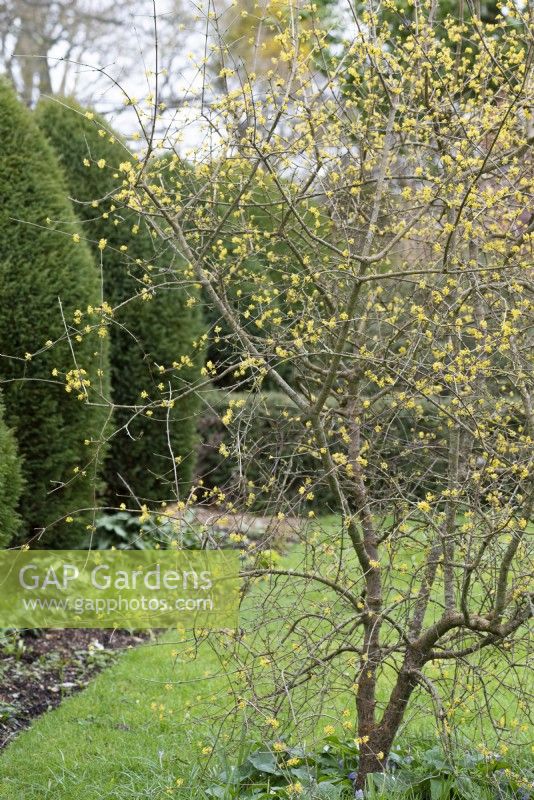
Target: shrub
[(10, 483), (265, 257), (270, 442), (155, 326), (276, 439), (124, 530), (45, 276)]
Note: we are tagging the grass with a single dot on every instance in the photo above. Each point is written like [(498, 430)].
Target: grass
[(466, 719), (135, 732), (126, 736)]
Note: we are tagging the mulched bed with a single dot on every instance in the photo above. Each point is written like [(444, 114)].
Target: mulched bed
[(38, 669)]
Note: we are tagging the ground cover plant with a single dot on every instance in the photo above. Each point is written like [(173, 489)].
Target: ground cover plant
[(420, 770)]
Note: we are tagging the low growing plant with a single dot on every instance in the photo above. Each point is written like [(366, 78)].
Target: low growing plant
[(418, 771), (125, 530)]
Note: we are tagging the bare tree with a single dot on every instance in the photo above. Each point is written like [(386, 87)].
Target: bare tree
[(360, 230), (61, 46)]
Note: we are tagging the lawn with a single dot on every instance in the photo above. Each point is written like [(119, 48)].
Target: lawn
[(139, 730), (126, 736)]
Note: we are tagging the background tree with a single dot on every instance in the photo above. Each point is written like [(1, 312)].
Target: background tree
[(42, 40), (10, 483), (53, 364), (59, 47), (156, 345), (408, 309)]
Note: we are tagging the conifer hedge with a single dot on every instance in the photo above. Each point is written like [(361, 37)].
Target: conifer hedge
[(50, 365), (10, 483), (156, 322)]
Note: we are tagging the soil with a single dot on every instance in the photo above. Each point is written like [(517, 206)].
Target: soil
[(38, 669)]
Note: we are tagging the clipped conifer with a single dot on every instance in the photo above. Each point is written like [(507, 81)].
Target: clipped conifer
[(10, 483), (53, 350), (155, 336)]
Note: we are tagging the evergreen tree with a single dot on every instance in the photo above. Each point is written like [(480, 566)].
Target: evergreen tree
[(154, 338), (52, 361), (10, 483)]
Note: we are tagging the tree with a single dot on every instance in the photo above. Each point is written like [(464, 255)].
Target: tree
[(53, 331), (407, 310), (56, 47), (183, 181), (10, 483), (156, 344), (40, 41)]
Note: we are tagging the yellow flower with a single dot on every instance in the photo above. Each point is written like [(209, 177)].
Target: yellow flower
[(101, 163), (76, 237), (295, 788), (329, 730), (102, 244)]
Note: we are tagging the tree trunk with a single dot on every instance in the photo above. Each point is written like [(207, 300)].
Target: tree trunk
[(375, 751), (370, 762)]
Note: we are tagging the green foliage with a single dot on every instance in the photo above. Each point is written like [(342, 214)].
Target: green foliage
[(154, 327), (44, 277), (10, 483), (419, 771), (124, 530), (265, 772), (12, 644), (7, 711)]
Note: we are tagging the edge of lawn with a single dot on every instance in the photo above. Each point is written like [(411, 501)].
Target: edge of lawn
[(127, 735)]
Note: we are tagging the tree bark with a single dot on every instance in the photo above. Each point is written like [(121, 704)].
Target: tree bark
[(375, 751)]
